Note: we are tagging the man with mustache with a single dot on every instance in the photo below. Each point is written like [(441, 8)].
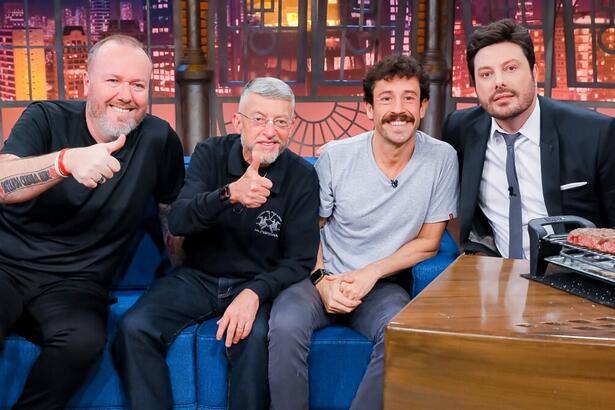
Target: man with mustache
[(523, 156), (249, 214), (75, 179), (385, 199)]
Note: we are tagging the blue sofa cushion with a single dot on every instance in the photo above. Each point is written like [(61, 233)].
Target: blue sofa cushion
[(102, 389), (425, 272), (338, 358)]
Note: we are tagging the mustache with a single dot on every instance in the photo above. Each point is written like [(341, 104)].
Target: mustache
[(274, 139), (501, 91), (401, 116)]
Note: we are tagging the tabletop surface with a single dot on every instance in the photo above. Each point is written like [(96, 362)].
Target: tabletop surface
[(486, 296)]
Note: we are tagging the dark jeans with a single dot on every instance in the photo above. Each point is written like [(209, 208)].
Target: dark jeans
[(68, 319), (173, 303)]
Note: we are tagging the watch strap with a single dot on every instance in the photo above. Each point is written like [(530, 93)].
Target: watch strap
[(224, 193)]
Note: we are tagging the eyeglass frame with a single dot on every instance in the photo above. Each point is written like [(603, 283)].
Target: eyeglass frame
[(268, 121)]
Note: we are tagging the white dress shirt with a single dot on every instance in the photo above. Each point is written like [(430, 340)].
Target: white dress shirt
[(493, 190)]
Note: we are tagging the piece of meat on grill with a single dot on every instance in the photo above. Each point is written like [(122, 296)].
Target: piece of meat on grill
[(600, 239)]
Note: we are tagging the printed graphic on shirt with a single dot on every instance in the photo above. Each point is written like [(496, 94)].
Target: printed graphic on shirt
[(268, 223)]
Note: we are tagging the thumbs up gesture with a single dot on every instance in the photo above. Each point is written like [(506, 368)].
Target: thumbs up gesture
[(251, 190), (93, 165)]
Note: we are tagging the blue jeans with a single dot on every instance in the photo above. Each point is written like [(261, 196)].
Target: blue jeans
[(173, 303), (297, 312)]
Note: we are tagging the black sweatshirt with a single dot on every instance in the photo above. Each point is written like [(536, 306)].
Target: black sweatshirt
[(272, 246)]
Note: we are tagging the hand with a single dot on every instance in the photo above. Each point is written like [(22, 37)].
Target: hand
[(238, 318), (251, 190), (362, 281), (332, 297), (93, 164)]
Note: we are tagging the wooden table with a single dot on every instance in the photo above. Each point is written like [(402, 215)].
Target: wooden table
[(481, 336)]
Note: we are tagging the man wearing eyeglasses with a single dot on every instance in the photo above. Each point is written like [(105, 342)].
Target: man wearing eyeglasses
[(249, 214)]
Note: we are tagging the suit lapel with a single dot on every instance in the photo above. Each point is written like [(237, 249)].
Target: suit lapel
[(549, 159), (473, 160)]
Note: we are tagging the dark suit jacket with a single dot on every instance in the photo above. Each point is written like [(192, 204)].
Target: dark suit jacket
[(576, 145)]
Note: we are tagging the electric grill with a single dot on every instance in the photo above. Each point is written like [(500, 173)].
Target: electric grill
[(552, 247)]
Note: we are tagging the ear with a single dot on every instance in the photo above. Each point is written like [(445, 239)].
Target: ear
[(237, 123), (535, 73), (86, 84), (369, 110), (424, 106)]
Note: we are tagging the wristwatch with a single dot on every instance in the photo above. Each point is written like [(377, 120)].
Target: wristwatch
[(225, 193), (318, 274)]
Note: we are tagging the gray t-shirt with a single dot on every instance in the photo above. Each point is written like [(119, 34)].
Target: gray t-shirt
[(368, 217)]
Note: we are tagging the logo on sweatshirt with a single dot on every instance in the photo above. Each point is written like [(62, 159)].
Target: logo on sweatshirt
[(268, 223)]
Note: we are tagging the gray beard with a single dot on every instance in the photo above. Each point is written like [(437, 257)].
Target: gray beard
[(269, 158), (109, 131), (113, 132)]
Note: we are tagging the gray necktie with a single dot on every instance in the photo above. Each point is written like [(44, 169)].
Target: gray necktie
[(515, 223)]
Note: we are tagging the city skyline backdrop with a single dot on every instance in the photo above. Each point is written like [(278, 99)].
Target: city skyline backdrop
[(41, 61)]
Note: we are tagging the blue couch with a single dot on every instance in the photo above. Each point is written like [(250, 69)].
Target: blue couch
[(197, 362)]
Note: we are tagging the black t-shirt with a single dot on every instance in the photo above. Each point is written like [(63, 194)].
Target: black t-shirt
[(74, 231), (272, 246)]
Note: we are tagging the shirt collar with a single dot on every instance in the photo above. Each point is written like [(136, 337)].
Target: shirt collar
[(275, 172), (531, 128)]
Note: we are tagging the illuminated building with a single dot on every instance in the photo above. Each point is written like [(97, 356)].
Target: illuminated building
[(14, 81), (13, 14), (75, 43), (7, 66), (100, 14), (125, 10), (128, 27), (163, 59)]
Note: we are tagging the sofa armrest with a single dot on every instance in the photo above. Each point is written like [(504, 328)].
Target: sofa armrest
[(426, 271)]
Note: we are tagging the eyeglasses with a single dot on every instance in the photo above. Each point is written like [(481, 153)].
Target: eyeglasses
[(278, 123)]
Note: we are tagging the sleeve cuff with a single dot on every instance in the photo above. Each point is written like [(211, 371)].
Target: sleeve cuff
[(441, 218), (325, 212), (261, 289), (209, 203)]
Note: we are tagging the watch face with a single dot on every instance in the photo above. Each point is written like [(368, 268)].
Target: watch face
[(316, 276)]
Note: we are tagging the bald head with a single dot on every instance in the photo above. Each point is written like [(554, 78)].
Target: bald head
[(113, 41)]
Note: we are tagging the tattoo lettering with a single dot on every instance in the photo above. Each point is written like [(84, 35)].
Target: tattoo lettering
[(14, 183)]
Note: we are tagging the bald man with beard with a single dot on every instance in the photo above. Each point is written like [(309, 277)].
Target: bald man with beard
[(75, 179)]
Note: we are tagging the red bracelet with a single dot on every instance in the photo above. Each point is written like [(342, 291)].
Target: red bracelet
[(63, 171)]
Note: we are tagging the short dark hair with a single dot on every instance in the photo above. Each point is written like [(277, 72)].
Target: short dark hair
[(395, 65), (501, 31)]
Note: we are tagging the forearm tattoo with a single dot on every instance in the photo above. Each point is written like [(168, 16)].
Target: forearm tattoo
[(13, 183)]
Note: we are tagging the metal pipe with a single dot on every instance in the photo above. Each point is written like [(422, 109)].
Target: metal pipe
[(194, 79), (439, 74)]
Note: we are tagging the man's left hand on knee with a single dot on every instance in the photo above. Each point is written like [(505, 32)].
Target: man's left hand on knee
[(238, 318)]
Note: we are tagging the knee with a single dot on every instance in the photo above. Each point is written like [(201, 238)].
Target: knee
[(81, 345), (134, 325), (292, 318), (284, 325)]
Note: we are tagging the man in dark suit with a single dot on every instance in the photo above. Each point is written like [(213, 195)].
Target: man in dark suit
[(522, 156)]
